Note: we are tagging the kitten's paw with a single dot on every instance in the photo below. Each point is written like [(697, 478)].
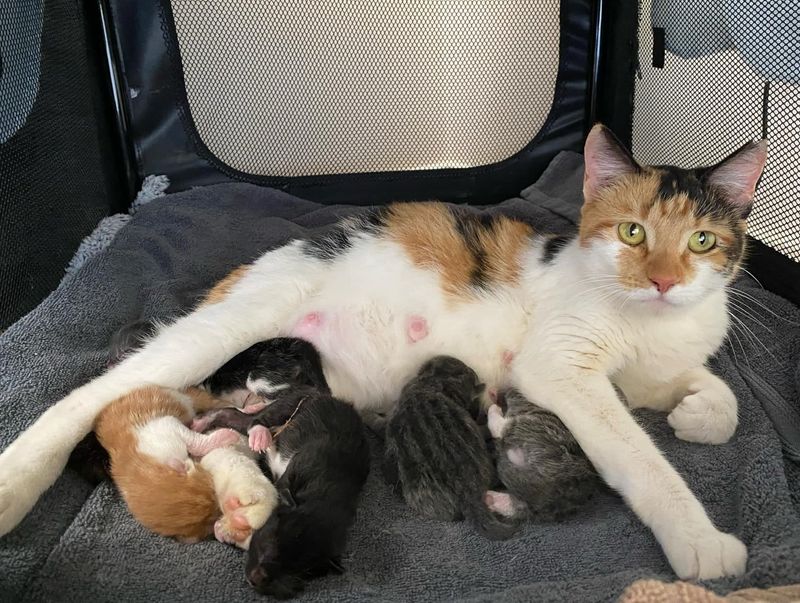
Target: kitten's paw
[(259, 438), (501, 503), (495, 421), (254, 408), (201, 423), (705, 554), (245, 512), (707, 416)]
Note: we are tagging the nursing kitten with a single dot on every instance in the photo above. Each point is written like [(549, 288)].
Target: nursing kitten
[(318, 456), (636, 300), (435, 452), (547, 475), (168, 491)]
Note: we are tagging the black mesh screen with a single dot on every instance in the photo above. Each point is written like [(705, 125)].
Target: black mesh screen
[(714, 74), (53, 185), (289, 88)]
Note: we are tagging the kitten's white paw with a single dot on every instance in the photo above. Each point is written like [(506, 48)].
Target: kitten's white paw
[(705, 554), (707, 415)]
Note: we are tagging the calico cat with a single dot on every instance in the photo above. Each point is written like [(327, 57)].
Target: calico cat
[(547, 475), (637, 299), (319, 458), (150, 450), (435, 452)]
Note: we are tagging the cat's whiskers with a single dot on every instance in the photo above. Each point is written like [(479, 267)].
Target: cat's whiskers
[(752, 337), (753, 276), (748, 313), (748, 297), (732, 331)]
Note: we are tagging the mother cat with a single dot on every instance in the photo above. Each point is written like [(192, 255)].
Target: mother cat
[(636, 299)]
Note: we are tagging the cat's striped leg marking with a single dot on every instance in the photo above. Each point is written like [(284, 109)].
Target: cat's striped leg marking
[(629, 462), (255, 305)]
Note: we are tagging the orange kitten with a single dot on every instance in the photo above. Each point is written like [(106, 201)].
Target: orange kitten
[(166, 490)]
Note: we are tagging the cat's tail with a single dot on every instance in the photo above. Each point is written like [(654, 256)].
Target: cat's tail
[(487, 523)]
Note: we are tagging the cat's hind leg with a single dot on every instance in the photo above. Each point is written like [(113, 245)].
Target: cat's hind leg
[(254, 303)]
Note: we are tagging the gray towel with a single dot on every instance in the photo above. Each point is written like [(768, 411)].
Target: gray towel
[(82, 545)]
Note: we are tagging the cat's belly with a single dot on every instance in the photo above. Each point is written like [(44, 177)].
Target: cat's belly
[(372, 350)]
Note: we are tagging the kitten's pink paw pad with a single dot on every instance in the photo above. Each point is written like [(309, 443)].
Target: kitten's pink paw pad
[(239, 522), (259, 438), (252, 409), (499, 502), (416, 329), (224, 437), (231, 504), (200, 424)]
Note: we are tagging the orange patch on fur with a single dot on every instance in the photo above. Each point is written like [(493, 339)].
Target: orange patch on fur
[(429, 233), (223, 288), (165, 501), (504, 245)]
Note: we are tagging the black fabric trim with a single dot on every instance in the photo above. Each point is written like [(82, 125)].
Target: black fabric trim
[(167, 142)]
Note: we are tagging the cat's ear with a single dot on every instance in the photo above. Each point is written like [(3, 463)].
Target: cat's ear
[(606, 161), (736, 176)]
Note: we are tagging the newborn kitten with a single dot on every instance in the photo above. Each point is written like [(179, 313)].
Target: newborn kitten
[(319, 458), (547, 475), (435, 451), (150, 449)]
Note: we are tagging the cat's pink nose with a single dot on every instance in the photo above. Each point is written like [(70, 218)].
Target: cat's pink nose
[(663, 283)]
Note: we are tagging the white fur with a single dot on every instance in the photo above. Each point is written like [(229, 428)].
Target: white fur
[(570, 331), (277, 463)]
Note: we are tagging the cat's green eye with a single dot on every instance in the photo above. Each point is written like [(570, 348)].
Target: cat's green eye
[(631, 233), (702, 241)]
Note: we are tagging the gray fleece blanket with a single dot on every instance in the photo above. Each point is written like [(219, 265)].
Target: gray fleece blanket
[(80, 544)]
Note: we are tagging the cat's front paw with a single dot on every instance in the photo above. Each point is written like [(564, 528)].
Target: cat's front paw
[(707, 415), (705, 554)]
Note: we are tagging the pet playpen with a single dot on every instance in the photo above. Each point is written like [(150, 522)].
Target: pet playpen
[(360, 103)]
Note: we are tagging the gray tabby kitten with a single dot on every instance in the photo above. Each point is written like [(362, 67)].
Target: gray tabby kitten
[(547, 475), (435, 452)]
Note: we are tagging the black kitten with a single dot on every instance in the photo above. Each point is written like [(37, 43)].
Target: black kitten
[(435, 451), (547, 475), (320, 461)]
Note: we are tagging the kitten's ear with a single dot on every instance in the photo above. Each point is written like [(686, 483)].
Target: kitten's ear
[(736, 176), (606, 162)]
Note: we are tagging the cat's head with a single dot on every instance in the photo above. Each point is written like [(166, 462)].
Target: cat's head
[(661, 235)]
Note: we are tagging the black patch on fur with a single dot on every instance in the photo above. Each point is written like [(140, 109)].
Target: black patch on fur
[(90, 460), (283, 360), (676, 181), (435, 452), (470, 226), (330, 245), (552, 247)]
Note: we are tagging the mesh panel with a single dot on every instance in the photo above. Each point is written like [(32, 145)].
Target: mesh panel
[(287, 88), (708, 99), (53, 189)]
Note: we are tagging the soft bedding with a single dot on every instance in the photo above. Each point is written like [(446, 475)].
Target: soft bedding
[(80, 543)]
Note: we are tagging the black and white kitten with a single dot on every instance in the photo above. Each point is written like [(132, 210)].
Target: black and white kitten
[(547, 475), (319, 458), (435, 452)]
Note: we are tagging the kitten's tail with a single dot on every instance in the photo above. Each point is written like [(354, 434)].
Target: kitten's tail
[(487, 523)]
